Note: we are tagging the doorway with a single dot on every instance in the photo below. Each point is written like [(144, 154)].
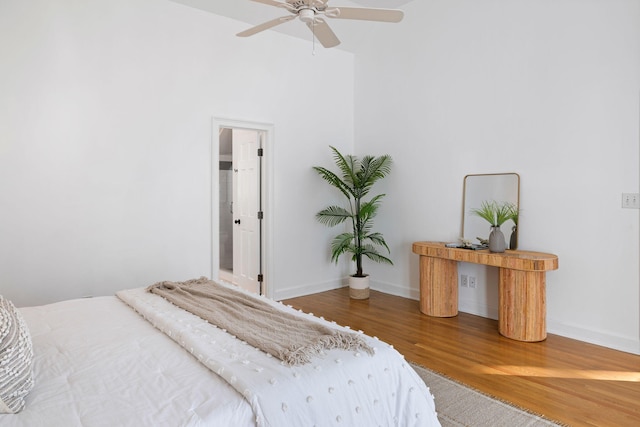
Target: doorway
[(240, 200)]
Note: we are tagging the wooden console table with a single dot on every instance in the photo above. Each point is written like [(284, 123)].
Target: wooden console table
[(522, 286)]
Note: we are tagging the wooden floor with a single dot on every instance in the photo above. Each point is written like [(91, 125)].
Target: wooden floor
[(570, 381)]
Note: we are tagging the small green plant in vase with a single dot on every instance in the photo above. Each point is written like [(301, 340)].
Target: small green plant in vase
[(495, 214)]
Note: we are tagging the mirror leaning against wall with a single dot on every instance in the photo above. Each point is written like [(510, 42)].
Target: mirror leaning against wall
[(501, 188)]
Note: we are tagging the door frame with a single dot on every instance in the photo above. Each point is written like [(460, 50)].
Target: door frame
[(267, 197)]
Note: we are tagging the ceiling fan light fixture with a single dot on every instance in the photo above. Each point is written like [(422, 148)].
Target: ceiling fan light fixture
[(307, 15)]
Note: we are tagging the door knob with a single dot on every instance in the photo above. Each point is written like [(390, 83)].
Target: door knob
[(237, 221)]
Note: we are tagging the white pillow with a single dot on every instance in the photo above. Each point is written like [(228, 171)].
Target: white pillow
[(16, 356)]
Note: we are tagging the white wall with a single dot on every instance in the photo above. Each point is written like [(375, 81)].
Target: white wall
[(549, 89), (105, 134)]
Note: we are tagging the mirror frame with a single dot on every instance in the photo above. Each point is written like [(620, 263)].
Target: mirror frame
[(466, 209)]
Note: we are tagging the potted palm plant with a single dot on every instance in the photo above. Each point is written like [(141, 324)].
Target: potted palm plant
[(354, 181)]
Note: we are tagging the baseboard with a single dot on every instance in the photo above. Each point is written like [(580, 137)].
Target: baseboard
[(393, 289), (593, 337), (314, 288), (598, 338), (308, 289), (615, 342), (482, 310)]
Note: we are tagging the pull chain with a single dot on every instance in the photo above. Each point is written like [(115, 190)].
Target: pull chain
[(313, 24)]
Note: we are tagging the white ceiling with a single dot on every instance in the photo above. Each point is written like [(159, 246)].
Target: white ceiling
[(350, 33)]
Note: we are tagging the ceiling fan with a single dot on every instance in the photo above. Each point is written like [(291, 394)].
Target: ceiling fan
[(311, 12)]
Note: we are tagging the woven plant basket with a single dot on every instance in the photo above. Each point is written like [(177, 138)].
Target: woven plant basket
[(359, 287)]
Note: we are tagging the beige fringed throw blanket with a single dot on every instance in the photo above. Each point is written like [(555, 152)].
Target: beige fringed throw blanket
[(290, 338)]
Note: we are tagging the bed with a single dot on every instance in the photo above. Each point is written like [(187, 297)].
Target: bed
[(136, 359)]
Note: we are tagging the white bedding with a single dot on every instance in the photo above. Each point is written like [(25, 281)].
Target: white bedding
[(98, 363)]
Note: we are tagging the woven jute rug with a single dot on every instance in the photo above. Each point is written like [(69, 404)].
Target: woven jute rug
[(458, 405)]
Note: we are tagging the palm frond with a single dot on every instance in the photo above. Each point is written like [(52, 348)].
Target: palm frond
[(377, 239), (370, 208), (333, 215), (371, 170), (371, 253), (335, 181), (348, 165), (341, 244)]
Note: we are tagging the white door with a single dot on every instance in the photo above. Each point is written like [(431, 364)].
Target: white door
[(246, 180)]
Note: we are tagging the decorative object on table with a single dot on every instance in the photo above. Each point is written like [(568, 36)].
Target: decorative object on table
[(496, 214), (513, 216), (357, 176), (466, 244), (503, 187), (483, 242)]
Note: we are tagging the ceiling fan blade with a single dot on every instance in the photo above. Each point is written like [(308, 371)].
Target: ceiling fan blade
[(366, 14), (276, 4), (265, 26), (323, 33)]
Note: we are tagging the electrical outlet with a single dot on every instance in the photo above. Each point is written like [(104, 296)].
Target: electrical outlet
[(631, 200), (472, 282), (464, 280)]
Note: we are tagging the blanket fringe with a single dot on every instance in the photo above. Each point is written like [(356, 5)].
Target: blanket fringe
[(301, 354)]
